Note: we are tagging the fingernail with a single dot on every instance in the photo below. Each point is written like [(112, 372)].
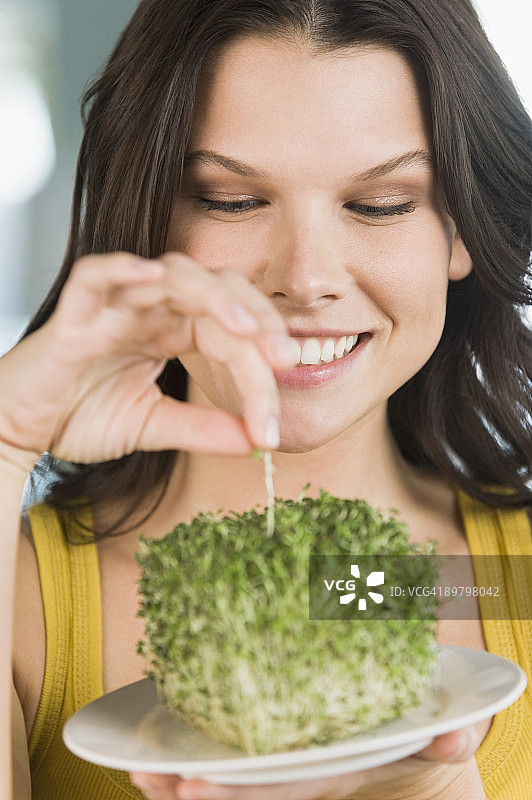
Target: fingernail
[(467, 745), (242, 319), (271, 433)]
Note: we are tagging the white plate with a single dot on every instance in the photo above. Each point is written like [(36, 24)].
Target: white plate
[(129, 729)]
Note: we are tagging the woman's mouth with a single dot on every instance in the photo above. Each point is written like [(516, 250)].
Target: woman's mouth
[(314, 351), (322, 359)]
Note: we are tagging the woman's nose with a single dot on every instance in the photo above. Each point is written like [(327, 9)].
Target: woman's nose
[(305, 268)]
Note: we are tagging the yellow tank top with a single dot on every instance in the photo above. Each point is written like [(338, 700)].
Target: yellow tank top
[(70, 585)]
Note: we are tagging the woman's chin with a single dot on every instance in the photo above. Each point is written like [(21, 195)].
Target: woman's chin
[(307, 436)]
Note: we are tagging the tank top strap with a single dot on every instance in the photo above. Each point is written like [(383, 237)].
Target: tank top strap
[(87, 632), (504, 757), (500, 533), (495, 531)]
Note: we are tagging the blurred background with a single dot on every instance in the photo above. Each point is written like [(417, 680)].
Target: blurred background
[(49, 49)]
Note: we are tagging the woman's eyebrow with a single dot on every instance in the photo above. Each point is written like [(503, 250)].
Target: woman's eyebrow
[(413, 158), (410, 159), (231, 164)]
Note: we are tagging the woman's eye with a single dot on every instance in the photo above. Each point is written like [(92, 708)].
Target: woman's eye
[(381, 211), (252, 203), (228, 206)]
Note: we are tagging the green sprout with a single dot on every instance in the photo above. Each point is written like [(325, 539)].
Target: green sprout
[(230, 643)]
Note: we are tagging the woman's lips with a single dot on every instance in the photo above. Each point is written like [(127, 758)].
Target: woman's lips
[(314, 369)]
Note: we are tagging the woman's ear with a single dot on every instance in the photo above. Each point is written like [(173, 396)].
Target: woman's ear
[(460, 264)]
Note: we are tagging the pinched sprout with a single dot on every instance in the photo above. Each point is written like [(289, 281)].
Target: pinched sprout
[(229, 640)]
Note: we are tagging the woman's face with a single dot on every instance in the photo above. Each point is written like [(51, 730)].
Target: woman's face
[(311, 175)]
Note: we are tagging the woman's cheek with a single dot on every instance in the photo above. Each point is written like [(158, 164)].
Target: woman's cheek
[(414, 274), (218, 245)]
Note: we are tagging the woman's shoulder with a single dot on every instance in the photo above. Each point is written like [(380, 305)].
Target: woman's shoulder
[(28, 592), (47, 566)]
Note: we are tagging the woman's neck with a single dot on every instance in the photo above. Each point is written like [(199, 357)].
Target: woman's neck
[(362, 463)]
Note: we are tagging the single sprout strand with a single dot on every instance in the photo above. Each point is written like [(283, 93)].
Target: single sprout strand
[(268, 477)]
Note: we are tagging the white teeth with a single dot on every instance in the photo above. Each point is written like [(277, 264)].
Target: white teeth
[(327, 350), (311, 352), (297, 350), (339, 348)]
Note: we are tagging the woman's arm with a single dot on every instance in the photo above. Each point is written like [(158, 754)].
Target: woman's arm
[(21, 765), (84, 387), (14, 467)]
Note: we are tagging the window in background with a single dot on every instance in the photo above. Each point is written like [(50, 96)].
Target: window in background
[(508, 26), (28, 33)]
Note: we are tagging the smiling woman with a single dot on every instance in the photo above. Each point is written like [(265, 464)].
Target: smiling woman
[(461, 437), (315, 233), (296, 226)]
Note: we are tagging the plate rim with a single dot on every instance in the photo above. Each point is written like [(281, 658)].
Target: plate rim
[(350, 747)]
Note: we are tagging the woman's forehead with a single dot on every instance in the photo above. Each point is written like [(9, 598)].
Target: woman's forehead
[(263, 100)]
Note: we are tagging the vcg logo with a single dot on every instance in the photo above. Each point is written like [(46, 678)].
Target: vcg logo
[(349, 585)]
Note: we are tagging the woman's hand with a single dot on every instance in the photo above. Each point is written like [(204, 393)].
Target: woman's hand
[(84, 385), (445, 770)]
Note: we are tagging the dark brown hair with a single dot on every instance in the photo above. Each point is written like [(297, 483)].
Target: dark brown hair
[(466, 412)]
